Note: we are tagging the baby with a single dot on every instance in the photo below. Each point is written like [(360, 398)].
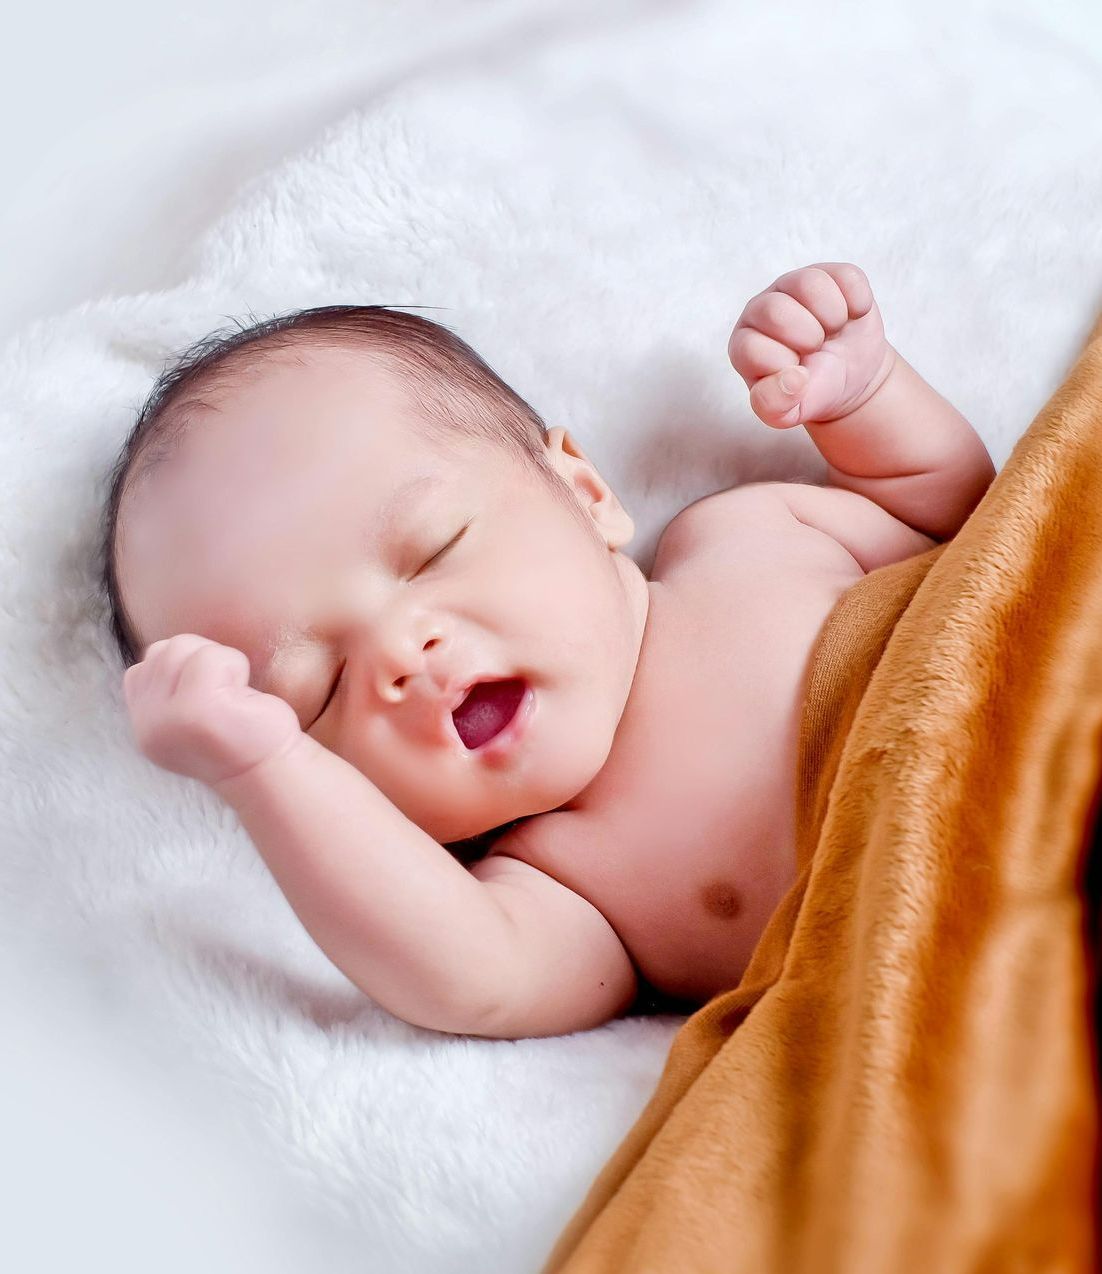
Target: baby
[(382, 611)]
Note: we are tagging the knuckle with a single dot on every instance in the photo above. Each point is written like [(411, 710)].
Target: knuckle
[(188, 641), (737, 353), (820, 284), (237, 659), (741, 344), (853, 277), (775, 307)]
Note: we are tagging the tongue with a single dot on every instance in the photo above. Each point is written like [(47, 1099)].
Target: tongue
[(486, 710)]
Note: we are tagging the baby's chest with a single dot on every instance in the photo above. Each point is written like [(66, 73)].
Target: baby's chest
[(718, 695), (687, 842)]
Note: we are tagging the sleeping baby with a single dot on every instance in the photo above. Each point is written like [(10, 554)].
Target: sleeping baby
[(366, 597)]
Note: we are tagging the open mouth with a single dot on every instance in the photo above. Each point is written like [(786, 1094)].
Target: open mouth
[(487, 710)]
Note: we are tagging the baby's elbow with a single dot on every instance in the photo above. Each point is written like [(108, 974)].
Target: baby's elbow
[(466, 1016)]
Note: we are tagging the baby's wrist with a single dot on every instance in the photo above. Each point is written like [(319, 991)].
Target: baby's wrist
[(886, 374), (261, 776)]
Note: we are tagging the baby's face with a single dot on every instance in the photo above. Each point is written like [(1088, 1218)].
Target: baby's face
[(309, 524)]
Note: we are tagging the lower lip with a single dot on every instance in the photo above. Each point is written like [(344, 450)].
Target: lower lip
[(505, 740)]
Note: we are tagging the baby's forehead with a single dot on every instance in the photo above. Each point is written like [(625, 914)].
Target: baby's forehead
[(334, 405), (308, 373), (299, 418), (261, 465)]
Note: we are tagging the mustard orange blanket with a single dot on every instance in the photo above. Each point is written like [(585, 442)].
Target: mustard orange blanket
[(904, 1078)]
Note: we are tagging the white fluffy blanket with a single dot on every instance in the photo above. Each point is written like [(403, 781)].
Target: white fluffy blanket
[(588, 196)]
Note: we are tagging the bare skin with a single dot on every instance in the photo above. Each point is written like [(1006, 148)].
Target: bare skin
[(655, 771), (685, 840)]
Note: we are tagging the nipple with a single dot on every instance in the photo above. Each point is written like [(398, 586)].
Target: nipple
[(721, 899)]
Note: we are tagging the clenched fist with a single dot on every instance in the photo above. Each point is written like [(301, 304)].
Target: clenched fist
[(193, 711), (811, 347)]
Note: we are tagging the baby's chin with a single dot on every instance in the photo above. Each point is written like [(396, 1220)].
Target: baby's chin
[(458, 832), (451, 831), (470, 849), (556, 772)]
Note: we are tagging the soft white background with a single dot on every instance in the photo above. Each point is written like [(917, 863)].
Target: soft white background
[(591, 193)]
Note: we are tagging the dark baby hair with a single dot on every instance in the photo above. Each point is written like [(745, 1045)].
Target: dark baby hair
[(457, 393)]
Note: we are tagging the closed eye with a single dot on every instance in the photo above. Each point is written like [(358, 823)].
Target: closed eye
[(328, 700), (454, 540)]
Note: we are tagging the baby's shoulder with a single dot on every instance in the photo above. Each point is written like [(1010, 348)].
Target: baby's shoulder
[(754, 519), (793, 528)]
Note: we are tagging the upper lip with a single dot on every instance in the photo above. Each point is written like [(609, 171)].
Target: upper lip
[(467, 687)]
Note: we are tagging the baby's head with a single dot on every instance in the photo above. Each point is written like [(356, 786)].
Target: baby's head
[(354, 499)]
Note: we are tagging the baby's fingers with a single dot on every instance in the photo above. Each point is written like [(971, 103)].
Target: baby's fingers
[(158, 672), (782, 317), (210, 667), (834, 291), (754, 355), (776, 403), (797, 395)]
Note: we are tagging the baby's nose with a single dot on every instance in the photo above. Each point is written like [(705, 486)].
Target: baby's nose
[(397, 675)]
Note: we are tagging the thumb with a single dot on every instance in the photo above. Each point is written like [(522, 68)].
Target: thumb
[(776, 399)]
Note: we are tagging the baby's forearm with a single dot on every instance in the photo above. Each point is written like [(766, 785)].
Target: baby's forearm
[(406, 922), (909, 450)]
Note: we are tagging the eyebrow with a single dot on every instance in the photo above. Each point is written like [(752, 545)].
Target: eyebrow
[(386, 515), (400, 501)]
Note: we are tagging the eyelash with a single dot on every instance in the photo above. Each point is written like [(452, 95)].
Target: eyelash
[(336, 684), (454, 540)]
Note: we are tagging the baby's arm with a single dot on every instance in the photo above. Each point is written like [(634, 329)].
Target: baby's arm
[(502, 951), (409, 925), (811, 348), (393, 910), (908, 449)]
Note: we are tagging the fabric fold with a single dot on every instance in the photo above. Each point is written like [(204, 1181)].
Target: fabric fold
[(904, 1077)]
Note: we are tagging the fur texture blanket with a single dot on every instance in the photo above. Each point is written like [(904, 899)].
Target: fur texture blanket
[(588, 194)]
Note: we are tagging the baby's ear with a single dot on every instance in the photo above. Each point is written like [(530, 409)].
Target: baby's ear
[(591, 491), (614, 521)]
